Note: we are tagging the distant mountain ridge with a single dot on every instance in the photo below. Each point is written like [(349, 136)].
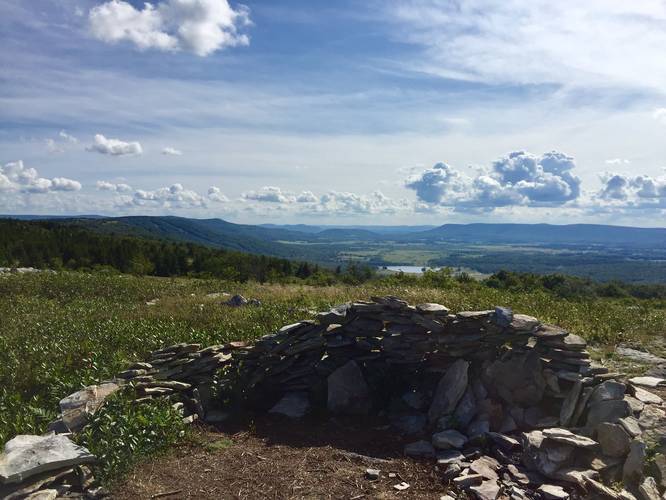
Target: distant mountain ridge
[(277, 240)]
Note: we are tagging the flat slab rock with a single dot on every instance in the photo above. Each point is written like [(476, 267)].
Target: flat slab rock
[(565, 436), (640, 356), (27, 455), (648, 381), (76, 407)]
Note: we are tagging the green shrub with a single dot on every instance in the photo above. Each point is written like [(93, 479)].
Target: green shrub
[(122, 432)]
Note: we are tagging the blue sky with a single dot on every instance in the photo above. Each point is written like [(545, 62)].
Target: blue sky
[(419, 111)]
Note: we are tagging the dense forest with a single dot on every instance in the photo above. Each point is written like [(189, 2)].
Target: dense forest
[(57, 245), (53, 245)]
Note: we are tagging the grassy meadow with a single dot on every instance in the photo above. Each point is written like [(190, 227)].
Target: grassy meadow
[(59, 332)]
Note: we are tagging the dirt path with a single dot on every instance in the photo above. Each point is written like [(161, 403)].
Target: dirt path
[(279, 459)]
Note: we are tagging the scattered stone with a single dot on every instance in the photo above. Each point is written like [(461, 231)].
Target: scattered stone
[(648, 381), (488, 490), (448, 439), (372, 474), (505, 442), (486, 466), (613, 439), (552, 492), (237, 301), (640, 356), (565, 436), (420, 449), (25, 456), (447, 457), (646, 396), (451, 471), (648, 489), (401, 486), (631, 426), (466, 481)]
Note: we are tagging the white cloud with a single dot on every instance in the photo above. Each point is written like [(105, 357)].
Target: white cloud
[(172, 152), (197, 26), (53, 147), (67, 138), (641, 191), (114, 147), (601, 43), (15, 176), (520, 178), (306, 197), (110, 186), (215, 194), (617, 161), (269, 194), (174, 196)]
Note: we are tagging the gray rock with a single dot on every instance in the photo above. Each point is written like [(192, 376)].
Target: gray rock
[(648, 489), (632, 471), (449, 390), (448, 439), (77, 407), (646, 396), (292, 405), (640, 356), (518, 380), (451, 471), (607, 411), (648, 381), (552, 492), (524, 323), (49, 494), (432, 308), (631, 426), (372, 474), (660, 470), (569, 404), (503, 316), (467, 481), (466, 409), (478, 429), (414, 399), (447, 457), (237, 301), (420, 449), (565, 436), (636, 405), (488, 490), (26, 455), (607, 391), (651, 417), (613, 439), (486, 466), (507, 443), (348, 392)]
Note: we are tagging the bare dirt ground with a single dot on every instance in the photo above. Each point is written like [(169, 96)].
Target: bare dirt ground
[(279, 459)]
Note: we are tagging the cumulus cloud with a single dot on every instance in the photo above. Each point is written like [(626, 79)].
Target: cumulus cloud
[(641, 191), (15, 176), (198, 26), (269, 194), (174, 196), (520, 178), (111, 186), (344, 203), (172, 152), (215, 194), (306, 197), (114, 147)]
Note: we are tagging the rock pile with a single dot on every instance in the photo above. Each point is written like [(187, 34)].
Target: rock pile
[(504, 406)]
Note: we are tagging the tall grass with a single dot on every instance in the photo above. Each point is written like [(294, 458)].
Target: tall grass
[(59, 332)]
